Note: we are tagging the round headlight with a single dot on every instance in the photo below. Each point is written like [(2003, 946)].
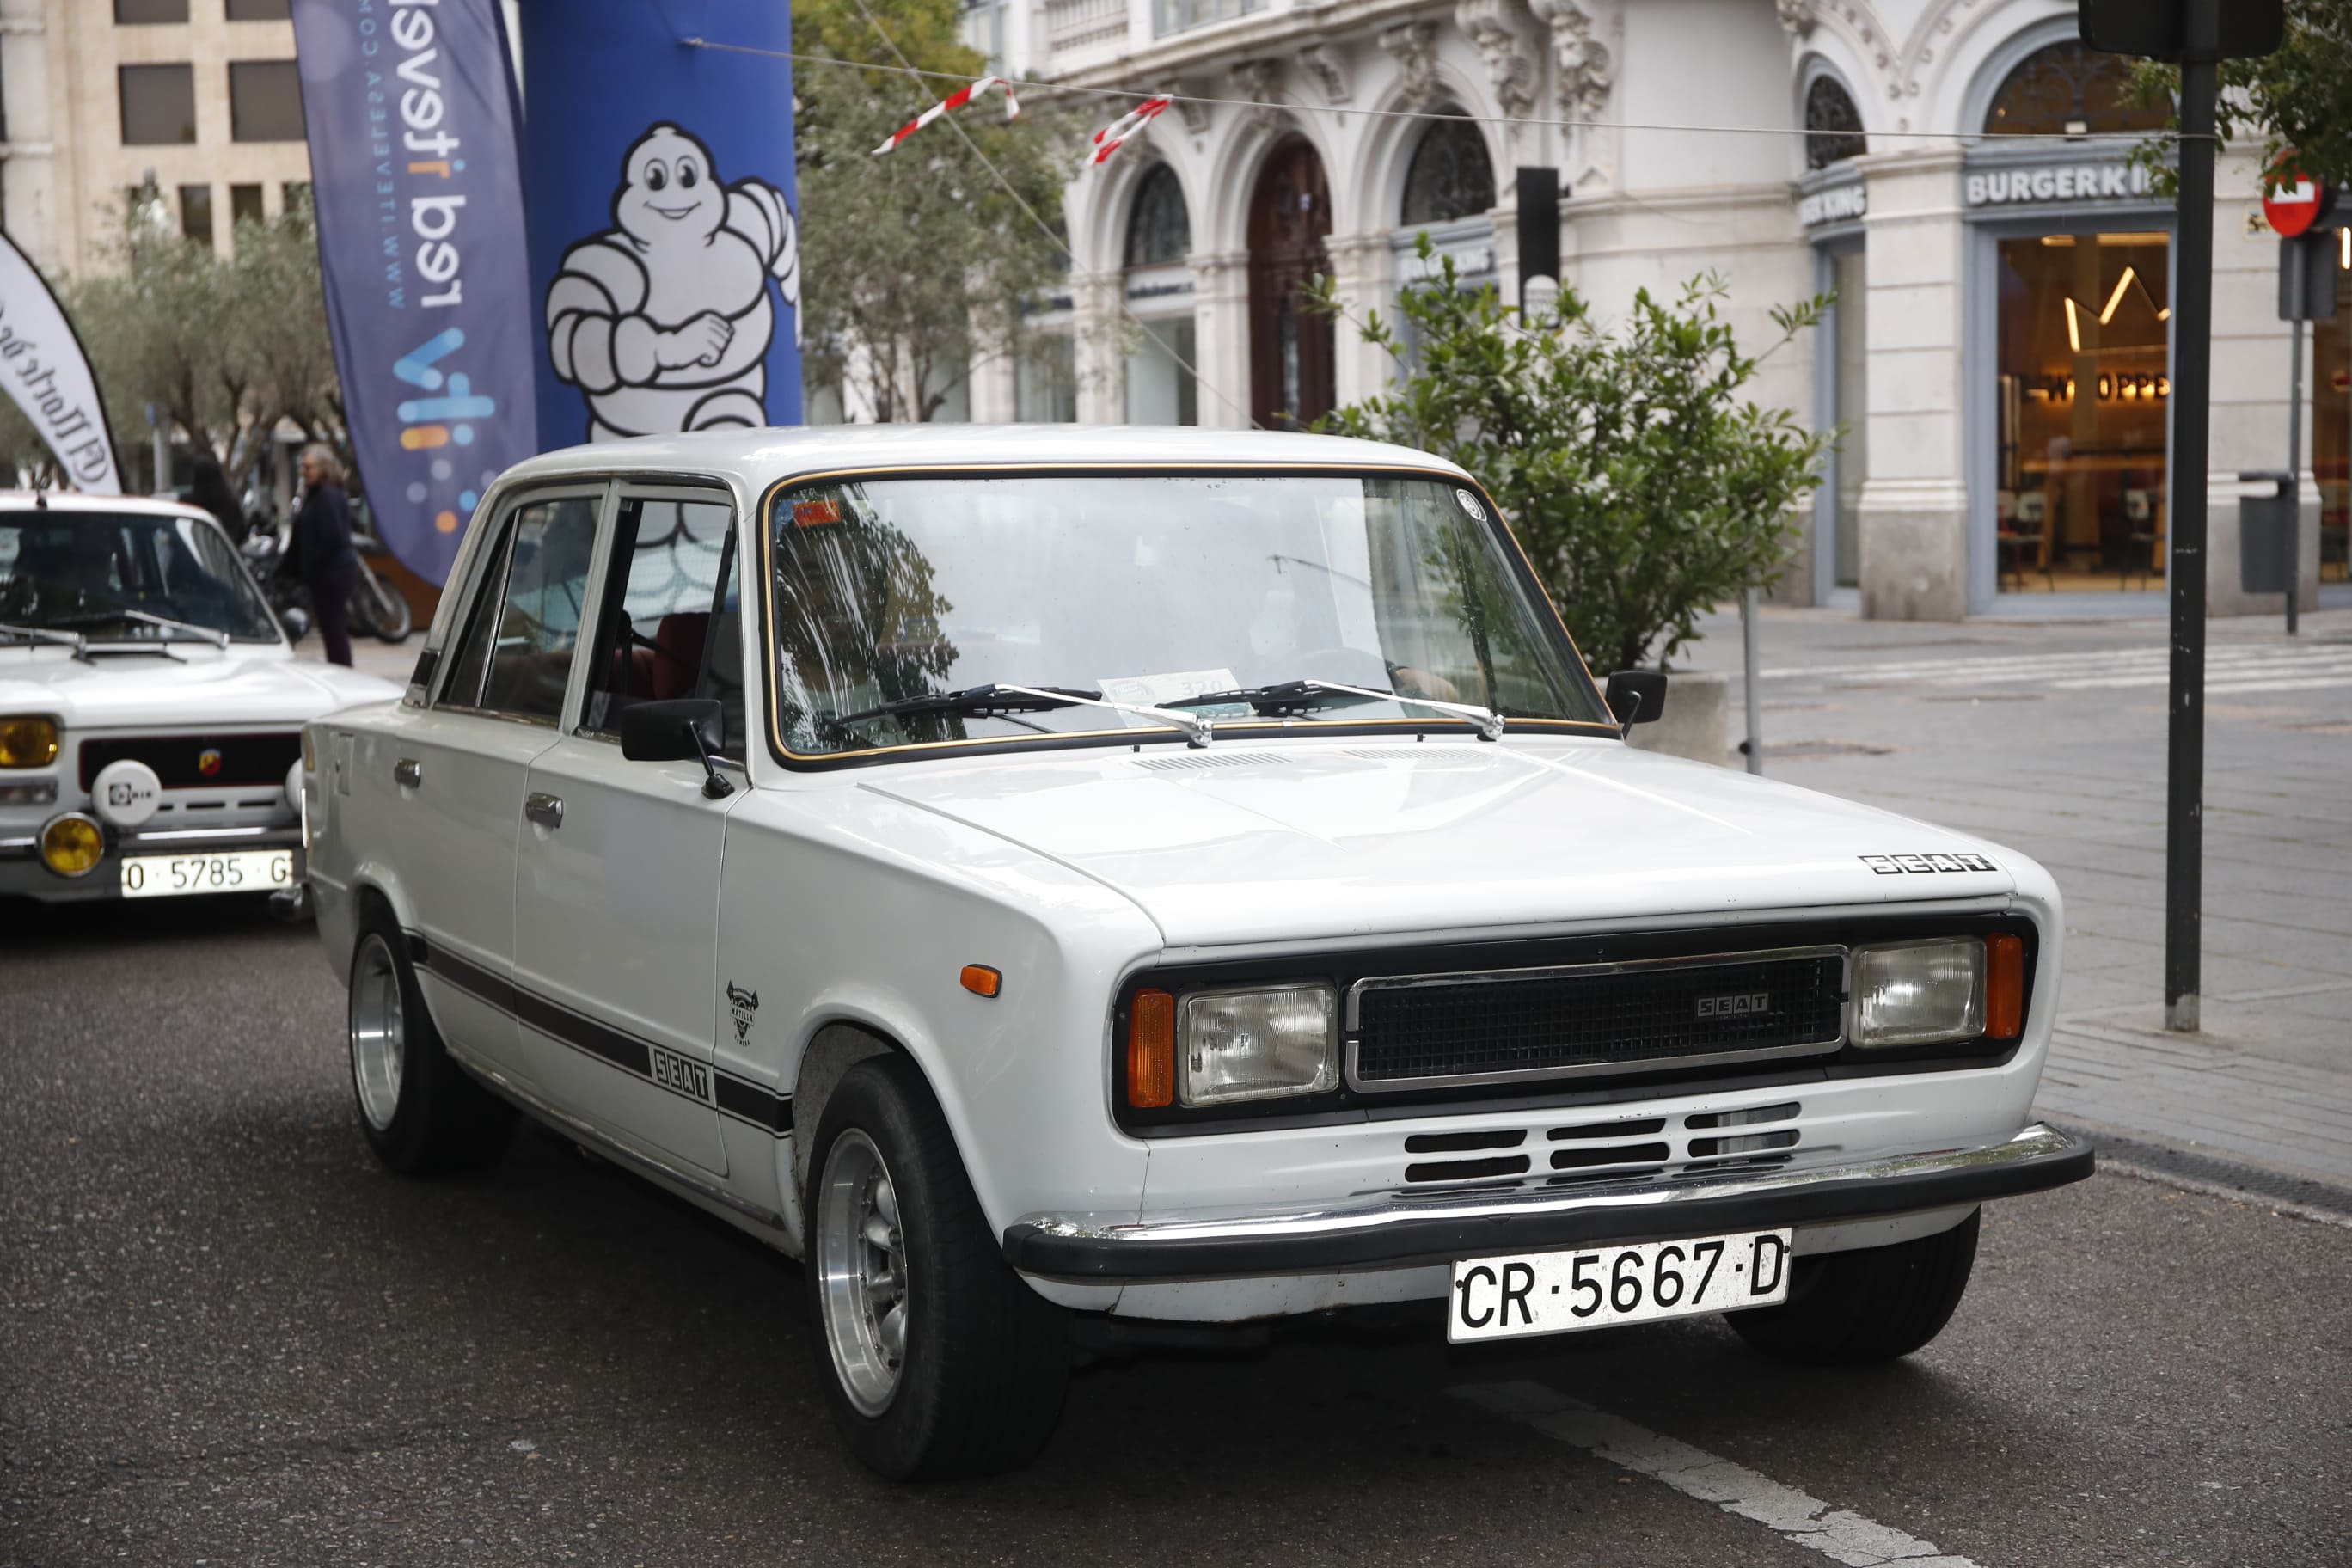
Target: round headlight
[(28, 740), (72, 845)]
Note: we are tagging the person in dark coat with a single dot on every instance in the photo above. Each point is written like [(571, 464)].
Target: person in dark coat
[(209, 489), (322, 548)]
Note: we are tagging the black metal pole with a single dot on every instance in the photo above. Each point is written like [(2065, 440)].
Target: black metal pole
[(2193, 337), (2301, 250)]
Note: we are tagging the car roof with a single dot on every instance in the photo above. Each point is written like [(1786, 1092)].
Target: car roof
[(70, 503), (760, 458)]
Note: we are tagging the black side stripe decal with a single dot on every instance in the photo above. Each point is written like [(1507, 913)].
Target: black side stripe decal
[(740, 1098)]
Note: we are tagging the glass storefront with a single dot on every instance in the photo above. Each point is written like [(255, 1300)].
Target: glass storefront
[(2084, 386)]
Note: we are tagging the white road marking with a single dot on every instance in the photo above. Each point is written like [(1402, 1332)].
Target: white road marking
[(2020, 665), (1836, 1533)]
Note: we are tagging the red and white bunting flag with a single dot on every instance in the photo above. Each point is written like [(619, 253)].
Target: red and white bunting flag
[(1127, 127), (955, 99)]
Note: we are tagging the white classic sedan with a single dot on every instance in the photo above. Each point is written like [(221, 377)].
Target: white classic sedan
[(1046, 876), (151, 710)]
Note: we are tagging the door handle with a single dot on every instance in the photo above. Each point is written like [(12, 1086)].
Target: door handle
[(547, 810), (408, 773)]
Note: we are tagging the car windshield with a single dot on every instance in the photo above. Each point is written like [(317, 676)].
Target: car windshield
[(113, 576), (1152, 590)]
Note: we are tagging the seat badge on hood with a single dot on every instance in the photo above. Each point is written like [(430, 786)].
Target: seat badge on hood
[(1922, 865)]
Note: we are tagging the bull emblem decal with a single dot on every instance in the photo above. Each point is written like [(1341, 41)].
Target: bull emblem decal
[(745, 1005)]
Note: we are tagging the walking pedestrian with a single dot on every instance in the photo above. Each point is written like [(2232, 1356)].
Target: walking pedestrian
[(322, 547), (209, 489)]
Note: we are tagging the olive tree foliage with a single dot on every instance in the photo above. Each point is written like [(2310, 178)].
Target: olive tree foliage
[(914, 263), (1644, 486), (221, 348), (2300, 97)]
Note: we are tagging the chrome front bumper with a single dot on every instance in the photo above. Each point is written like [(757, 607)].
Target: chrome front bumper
[(1392, 1230)]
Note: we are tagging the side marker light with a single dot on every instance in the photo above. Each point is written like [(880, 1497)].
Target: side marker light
[(2004, 988), (982, 980)]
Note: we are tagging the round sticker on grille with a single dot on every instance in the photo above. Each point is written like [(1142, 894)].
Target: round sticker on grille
[(1470, 504)]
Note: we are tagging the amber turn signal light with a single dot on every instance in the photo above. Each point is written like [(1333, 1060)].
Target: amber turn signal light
[(1151, 1050), (2004, 988), (982, 980)]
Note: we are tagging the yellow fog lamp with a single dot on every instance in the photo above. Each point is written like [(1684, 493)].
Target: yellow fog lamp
[(28, 740), (72, 845)]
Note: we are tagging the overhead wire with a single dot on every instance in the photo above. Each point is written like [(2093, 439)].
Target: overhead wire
[(906, 68)]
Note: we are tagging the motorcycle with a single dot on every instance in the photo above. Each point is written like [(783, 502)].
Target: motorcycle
[(377, 608)]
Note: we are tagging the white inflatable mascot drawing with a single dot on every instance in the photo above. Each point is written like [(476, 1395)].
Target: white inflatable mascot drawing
[(664, 320)]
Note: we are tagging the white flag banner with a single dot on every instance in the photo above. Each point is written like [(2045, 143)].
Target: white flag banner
[(44, 368)]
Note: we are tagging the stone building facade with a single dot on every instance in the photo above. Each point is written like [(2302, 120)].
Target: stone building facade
[(1999, 352), (98, 97)]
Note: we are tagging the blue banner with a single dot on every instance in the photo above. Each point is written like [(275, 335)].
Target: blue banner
[(665, 247), (409, 110)]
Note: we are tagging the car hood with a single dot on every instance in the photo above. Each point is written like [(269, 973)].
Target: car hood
[(1301, 841), (214, 686)]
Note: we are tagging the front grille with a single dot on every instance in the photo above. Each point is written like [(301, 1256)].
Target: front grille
[(1411, 1032), (179, 760)]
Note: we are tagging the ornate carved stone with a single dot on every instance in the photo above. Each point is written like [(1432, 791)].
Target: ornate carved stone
[(1261, 82), (1796, 15), (1315, 60), (1586, 74), (1492, 28), (1195, 113), (1415, 44)]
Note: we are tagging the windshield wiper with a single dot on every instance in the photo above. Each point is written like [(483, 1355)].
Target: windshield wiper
[(74, 640), (210, 634), (1000, 701), (1284, 696)]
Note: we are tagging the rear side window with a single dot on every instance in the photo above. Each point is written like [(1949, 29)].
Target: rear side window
[(515, 658)]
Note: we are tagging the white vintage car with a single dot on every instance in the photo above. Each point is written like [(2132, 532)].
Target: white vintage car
[(1044, 877), (151, 710)]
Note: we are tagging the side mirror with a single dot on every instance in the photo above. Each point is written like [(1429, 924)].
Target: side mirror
[(688, 729), (1637, 697), (677, 732)]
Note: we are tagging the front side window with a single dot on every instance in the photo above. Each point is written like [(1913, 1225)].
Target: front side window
[(669, 630), (1147, 589), (127, 578), (515, 658)]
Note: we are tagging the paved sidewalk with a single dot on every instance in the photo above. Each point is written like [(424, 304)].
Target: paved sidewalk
[(2051, 736)]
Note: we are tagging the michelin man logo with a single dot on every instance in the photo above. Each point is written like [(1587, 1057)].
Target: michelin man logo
[(663, 321)]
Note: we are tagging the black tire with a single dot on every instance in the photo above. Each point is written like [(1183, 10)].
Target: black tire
[(442, 1122), (1853, 1309), (986, 1360)]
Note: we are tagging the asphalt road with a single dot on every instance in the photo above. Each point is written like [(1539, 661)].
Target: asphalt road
[(227, 1336)]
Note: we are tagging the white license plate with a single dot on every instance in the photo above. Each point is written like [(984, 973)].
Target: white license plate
[(1559, 1292), (212, 871)]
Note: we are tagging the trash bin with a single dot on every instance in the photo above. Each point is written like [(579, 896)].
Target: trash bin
[(2266, 531)]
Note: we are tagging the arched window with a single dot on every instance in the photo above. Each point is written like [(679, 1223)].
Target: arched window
[(2067, 89), (1834, 122), (1451, 176), (1159, 226)]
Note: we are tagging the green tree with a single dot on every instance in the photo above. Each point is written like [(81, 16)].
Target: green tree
[(2300, 97), (917, 262), (223, 349), (1644, 486)]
